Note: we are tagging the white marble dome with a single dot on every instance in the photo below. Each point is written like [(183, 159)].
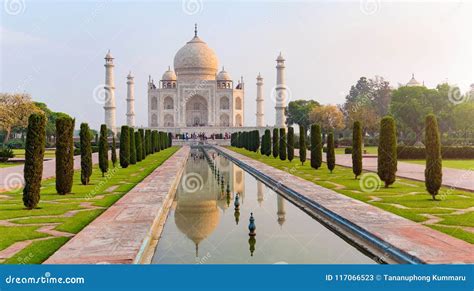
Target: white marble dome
[(196, 58), (169, 75), (223, 76)]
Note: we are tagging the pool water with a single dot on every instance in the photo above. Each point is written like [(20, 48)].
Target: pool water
[(203, 227)]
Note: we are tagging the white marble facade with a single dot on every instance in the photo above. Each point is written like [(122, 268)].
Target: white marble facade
[(195, 94)]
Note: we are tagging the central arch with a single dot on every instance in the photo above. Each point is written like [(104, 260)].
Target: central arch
[(196, 111)]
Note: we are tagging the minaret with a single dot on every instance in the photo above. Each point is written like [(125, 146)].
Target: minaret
[(109, 105), (280, 94), (260, 122), (130, 100), (281, 210)]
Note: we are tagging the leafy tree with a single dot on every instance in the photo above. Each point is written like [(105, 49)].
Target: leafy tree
[(387, 151), (316, 146), (15, 110), (138, 145), (34, 154), (133, 147), (330, 154), (328, 116), (86, 153), (64, 154), (124, 146), (290, 144), (433, 170), (282, 145), (410, 104), (463, 116), (357, 149), (114, 151), (302, 145), (104, 150), (298, 111), (275, 149)]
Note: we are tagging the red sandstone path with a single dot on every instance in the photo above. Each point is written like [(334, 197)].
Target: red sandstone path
[(455, 178), (124, 232), (12, 177)]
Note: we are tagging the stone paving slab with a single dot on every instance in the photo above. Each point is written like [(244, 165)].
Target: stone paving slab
[(12, 177), (424, 243), (118, 234)]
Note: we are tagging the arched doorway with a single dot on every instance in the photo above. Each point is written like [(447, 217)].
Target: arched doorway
[(196, 111)]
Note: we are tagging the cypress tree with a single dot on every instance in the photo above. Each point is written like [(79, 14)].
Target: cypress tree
[(147, 142), (124, 146), (302, 145), (170, 139), (290, 143), (142, 142), (330, 155), (138, 145), (34, 153), (263, 147), (256, 136), (282, 145), (268, 142), (103, 150), (434, 169), (133, 147), (316, 146), (387, 151), (357, 149), (276, 148), (64, 154), (86, 154), (114, 151)]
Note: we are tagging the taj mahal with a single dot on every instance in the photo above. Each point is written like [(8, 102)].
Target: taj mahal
[(196, 96)]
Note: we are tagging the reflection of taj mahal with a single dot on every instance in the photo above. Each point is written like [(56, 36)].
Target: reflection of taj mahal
[(195, 95)]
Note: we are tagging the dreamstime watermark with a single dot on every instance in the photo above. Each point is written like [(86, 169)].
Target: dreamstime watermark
[(192, 182), (13, 181), (369, 7), (100, 185), (281, 94), (370, 182), (465, 176), (47, 278), (204, 259), (101, 94), (14, 7), (456, 97), (192, 7)]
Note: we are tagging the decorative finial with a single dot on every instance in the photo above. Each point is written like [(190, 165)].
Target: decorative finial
[(252, 226), (195, 30), (413, 75), (169, 68)]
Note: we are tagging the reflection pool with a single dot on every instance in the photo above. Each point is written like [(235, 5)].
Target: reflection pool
[(203, 226)]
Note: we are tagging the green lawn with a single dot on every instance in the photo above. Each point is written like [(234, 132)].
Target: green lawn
[(369, 150), (67, 213), (405, 197), (455, 164), (20, 153)]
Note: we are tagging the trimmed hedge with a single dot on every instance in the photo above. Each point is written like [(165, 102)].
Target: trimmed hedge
[(447, 152)]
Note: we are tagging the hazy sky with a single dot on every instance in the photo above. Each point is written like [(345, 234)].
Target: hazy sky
[(55, 50)]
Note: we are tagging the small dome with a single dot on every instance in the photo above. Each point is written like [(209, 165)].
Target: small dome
[(413, 82), (223, 76), (169, 75), (196, 58)]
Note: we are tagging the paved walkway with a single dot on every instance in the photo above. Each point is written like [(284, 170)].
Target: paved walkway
[(12, 177), (123, 232), (456, 178), (428, 245)]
